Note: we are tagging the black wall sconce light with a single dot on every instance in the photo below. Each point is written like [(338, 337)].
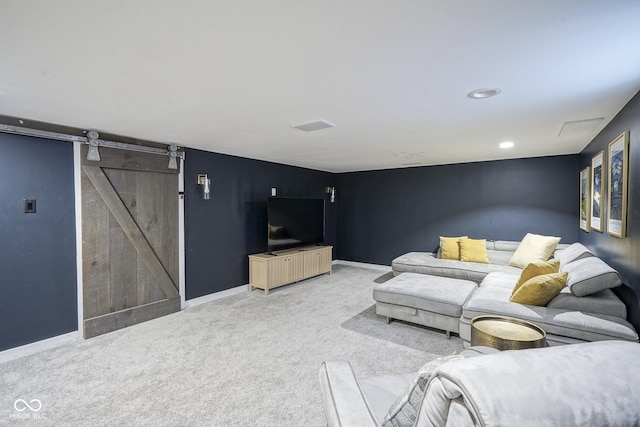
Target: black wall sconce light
[(332, 192)]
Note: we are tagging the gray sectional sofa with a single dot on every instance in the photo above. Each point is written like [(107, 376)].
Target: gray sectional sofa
[(447, 294), (595, 384)]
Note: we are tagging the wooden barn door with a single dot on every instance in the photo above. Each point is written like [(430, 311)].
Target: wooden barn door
[(129, 239)]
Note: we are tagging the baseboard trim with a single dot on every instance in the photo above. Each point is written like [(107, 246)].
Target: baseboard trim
[(38, 346), (363, 265), (215, 296)]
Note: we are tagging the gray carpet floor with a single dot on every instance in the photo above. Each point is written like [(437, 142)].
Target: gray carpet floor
[(245, 360)]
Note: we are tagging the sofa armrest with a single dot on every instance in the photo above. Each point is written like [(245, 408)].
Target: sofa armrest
[(343, 401)]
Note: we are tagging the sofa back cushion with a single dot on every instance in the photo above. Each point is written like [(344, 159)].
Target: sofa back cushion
[(499, 257), (590, 275), (574, 252)]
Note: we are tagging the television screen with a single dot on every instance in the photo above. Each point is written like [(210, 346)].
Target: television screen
[(294, 222)]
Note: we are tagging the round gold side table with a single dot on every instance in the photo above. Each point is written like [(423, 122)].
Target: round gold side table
[(506, 333)]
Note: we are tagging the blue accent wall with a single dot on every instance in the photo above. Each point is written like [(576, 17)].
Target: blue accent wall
[(38, 296), (621, 254), (384, 214), (221, 232)]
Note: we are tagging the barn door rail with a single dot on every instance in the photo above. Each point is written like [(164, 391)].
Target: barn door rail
[(93, 140)]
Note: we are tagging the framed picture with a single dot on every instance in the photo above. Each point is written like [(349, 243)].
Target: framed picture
[(585, 198), (617, 185), (597, 176)]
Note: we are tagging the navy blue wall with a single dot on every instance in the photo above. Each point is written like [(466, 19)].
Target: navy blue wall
[(383, 214), (622, 254), (222, 231), (38, 297)]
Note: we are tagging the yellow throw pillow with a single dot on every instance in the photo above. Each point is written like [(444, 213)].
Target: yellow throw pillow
[(472, 250), (540, 290), (449, 247), (536, 268), (533, 247)]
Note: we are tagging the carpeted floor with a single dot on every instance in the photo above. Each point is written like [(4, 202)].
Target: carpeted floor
[(245, 360)]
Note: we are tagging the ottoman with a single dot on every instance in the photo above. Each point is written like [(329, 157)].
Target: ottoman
[(432, 301)]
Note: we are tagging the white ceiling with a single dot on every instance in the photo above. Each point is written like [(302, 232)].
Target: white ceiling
[(234, 76)]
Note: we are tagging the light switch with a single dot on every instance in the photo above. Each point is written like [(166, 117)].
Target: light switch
[(29, 205)]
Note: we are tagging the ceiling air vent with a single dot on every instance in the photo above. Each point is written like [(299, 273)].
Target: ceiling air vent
[(311, 126), (580, 126)]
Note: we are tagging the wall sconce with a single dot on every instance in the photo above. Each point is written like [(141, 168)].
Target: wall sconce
[(332, 192), (203, 179)]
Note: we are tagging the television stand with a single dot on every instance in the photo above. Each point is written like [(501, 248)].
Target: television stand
[(268, 271)]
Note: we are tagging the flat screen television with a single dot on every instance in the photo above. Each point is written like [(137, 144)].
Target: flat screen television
[(293, 222)]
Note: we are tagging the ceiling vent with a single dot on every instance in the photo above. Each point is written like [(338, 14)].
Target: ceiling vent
[(578, 127), (311, 126)]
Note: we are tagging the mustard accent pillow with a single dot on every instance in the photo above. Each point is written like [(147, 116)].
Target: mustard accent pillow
[(537, 268), (449, 247), (472, 250), (533, 247), (540, 290)]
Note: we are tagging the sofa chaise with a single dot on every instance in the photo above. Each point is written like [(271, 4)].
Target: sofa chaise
[(447, 294), (595, 384)]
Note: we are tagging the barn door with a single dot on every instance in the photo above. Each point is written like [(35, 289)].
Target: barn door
[(129, 239)]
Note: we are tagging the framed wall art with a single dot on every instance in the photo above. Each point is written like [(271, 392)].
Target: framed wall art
[(618, 167), (585, 198), (597, 187)]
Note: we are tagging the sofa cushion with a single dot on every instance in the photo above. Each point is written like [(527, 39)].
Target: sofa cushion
[(436, 294), (427, 263), (603, 302), (450, 247), (574, 324), (534, 269), (473, 250), (573, 252), (539, 290), (590, 275), (534, 247)]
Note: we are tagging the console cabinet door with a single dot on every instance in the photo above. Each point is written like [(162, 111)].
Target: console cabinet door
[(296, 268), (278, 271), (324, 260), (311, 263)]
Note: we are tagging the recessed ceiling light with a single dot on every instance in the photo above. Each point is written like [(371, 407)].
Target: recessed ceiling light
[(506, 144), (484, 93), (312, 126)]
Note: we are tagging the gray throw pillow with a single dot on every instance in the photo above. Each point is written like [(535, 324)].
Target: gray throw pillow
[(590, 275)]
